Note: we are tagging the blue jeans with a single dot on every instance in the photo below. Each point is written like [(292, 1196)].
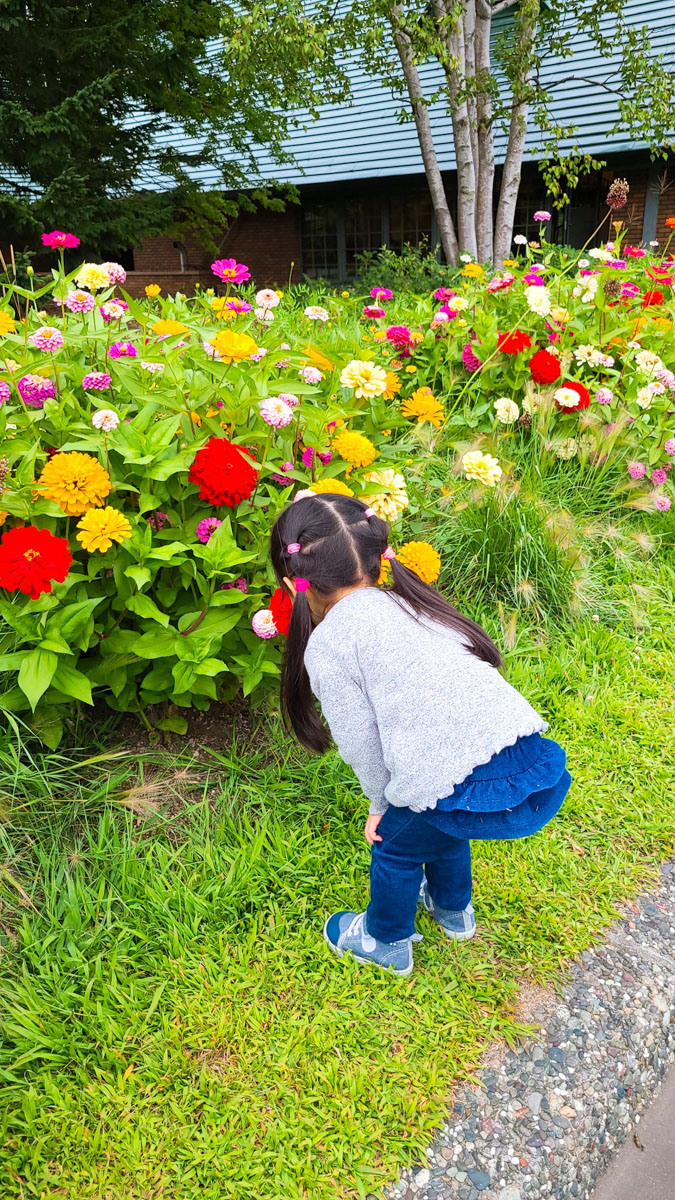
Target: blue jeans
[(411, 845)]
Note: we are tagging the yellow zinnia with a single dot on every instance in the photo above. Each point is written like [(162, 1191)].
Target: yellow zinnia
[(233, 347), (354, 448), (74, 481), (379, 335), (393, 385), (100, 527), (6, 323), (483, 467), (390, 502), (473, 271), (328, 486), (167, 326), (423, 405), (421, 558), (366, 378), (152, 290), (92, 277)]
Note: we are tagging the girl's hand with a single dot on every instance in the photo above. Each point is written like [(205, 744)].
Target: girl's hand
[(371, 828)]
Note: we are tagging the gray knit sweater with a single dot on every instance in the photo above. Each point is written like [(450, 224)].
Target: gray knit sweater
[(409, 707)]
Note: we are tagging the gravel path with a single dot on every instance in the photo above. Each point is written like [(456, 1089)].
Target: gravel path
[(547, 1118)]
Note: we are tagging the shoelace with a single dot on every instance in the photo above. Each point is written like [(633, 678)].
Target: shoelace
[(357, 927)]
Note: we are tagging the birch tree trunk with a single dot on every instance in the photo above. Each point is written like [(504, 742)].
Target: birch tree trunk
[(446, 227), (508, 195), (486, 153), (451, 28)]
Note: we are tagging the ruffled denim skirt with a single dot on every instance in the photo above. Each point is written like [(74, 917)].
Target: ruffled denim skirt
[(513, 795)]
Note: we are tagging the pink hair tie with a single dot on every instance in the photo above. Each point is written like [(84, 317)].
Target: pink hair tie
[(302, 585), (370, 512), (293, 548), (389, 554)]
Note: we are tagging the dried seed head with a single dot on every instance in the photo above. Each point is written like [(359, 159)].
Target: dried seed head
[(4, 472), (617, 196), (525, 419), (612, 288)]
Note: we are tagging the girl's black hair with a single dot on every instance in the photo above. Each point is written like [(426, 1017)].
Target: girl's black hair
[(339, 547)]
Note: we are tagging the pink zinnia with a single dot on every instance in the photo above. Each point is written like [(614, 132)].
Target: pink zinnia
[(35, 389), (290, 399), (57, 240), (112, 310), (236, 305), (275, 412), (636, 470), (444, 294), (501, 281), (230, 271), (399, 336), (533, 279), (310, 374), (96, 381), (604, 395), (158, 520), (659, 477), (5, 391), (47, 338), (450, 313), (618, 264), (308, 458), (207, 528), (116, 272), (373, 312), (282, 364), (239, 583), (79, 302), (669, 447), (542, 215), (325, 456), (470, 360), (122, 350), (381, 293), (634, 251), (662, 503), (628, 290), (263, 624)]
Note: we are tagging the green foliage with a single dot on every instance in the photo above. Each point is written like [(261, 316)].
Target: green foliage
[(416, 269)]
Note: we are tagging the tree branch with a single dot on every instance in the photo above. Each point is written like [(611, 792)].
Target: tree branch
[(584, 79), (504, 4)]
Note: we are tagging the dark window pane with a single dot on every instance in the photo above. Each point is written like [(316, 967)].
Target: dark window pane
[(320, 241), (410, 221), (363, 230)]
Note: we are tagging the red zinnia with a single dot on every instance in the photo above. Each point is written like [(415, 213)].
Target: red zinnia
[(223, 474), (56, 239), (513, 343), (582, 392), (281, 607), (653, 297), (31, 558), (544, 367)]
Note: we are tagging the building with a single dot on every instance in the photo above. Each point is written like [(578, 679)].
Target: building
[(361, 182)]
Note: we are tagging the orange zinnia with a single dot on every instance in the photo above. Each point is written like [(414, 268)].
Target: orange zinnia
[(670, 222)]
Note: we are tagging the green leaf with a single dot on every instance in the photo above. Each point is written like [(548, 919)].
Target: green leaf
[(48, 726), (170, 466), (36, 673), (140, 575), (156, 645), (144, 606), (184, 676), (172, 725), (210, 666), (169, 552), (71, 621), (72, 682)]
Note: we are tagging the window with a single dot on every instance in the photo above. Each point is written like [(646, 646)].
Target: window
[(320, 241), (363, 231), (410, 221)]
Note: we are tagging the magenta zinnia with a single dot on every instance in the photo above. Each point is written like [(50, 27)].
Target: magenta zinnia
[(56, 240), (96, 381), (122, 350), (35, 389), (230, 271)]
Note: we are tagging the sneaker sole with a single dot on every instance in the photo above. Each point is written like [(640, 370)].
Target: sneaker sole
[(363, 961)]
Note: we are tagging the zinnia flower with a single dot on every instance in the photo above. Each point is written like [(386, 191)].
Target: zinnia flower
[(506, 410), (421, 558), (662, 503), (74, 481), (323, 487), (399, 336), (275, 412), (604, 395), (652, 297), (572, 396), (262, 623), (116, 272), (538, 300), (423, 405), (35, 389), (470, 361), (266, 298), (100, 527), (7, 324), (483, 467), (239, 583), (366, 378), (499, 282), (264, 314), (158, 520), (390, 502), (637, 470), (112, 310), (153, 367), (222, 473), (233, 347), (289, 398), (56, 240), (47, 338), (473, 270), (659, 476), (169, 328), (237, 306), (281, 608), (152, 290), (5, 391), (542, 215), (96, 381), (393, 385), (92, 277), (381, 293), (79, 302), (312, 374), (669, 447), (122, 350), (230, 271), (513, 343), (354, 448), (314, 312), (544, 367), (520, 239), (105, 419), (207, 528), (372, 312), (31, 559)]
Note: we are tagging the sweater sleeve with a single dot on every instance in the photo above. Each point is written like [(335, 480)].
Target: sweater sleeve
[(352, 724)]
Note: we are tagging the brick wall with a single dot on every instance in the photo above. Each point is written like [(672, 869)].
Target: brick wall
[(268, 242), (666, 202)]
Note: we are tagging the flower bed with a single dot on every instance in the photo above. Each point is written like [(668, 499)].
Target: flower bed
[(147, 447)]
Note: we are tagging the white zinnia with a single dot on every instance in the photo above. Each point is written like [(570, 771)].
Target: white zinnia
[(538, 300), (314, 312), (507, 410), (264, 314), (599, 254), (520, 239), (465, 258), (105, 419), (645, 397), (457, 303), (648, 361), (566, 397), (266, 298)]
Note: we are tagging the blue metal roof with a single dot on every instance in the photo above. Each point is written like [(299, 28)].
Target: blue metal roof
[(366, 139)]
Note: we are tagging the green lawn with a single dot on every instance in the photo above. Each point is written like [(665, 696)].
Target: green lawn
[(173, 1024)]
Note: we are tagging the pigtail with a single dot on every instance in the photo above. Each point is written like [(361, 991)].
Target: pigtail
[(298, 703), (426, 602)]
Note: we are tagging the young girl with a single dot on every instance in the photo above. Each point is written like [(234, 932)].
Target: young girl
[(444, 748)]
